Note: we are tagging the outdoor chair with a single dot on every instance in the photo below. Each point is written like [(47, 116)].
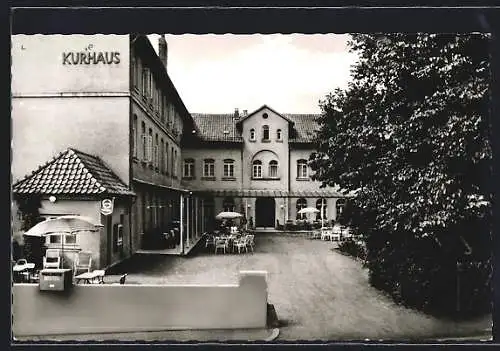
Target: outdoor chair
[(316, 234), (221, 243), (209, 240), (326, 234), (249, 239), (240, 244), (83, 262), (52, 259)]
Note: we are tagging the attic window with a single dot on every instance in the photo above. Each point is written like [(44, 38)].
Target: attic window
[(265, 115)]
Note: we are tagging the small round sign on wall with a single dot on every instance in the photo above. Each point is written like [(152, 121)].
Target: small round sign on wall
[(107, 207)]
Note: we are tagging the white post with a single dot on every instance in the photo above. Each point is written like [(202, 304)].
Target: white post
[(196, 217), (188, 219), (181, 223), (322, 211), (246, 213), (202, 216)]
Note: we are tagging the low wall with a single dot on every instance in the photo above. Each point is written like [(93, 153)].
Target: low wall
[(130, 308)]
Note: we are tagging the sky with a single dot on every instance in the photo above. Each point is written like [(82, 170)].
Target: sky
[(289, 73)]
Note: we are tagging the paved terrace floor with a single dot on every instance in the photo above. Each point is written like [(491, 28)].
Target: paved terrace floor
[(319, 294)]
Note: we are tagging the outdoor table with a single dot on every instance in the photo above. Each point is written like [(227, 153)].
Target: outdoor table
[(88, 277), (25, 268)]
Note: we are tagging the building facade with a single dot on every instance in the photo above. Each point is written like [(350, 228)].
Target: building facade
[(107, 100)]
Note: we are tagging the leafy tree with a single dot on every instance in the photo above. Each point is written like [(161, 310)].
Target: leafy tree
[(411, 135)]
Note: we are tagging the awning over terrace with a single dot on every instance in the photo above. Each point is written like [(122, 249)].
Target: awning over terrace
[(273, 193)]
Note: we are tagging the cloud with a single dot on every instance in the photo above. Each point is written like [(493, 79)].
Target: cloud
[(290, 73)]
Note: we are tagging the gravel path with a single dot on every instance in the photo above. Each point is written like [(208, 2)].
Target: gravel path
[(319, 294)]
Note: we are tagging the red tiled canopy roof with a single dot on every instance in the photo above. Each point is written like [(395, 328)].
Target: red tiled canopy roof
[(222, 127), (72, 172)]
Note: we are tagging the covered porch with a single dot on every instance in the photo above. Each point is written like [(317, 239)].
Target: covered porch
[(174, 217), (273, 209)]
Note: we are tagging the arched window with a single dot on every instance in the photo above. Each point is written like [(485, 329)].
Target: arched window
[(301, 203), (321, 203), (265, 132), (188, 168), (208, 167), (228, 168), (273, 169), (257, 169), (228, 204), (302, 169), (252, 134), (278, 134)]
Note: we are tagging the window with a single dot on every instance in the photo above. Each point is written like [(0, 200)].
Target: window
[(145, 82), (339, 205), (302, 169), (257, 169), (228, 204), (134, 137), (172, 161), (134, 72), (162, 156), (56, 239), (229, 168), (321, 205), (265, 133), (174, 170), (265, 115), (208, 168), (278, 134), (156, 153), (163, 110), (118, 236), (273, 169), (144, 141), (252, 134), (301, 203), (188, 168), (166, 158), (149, 147)]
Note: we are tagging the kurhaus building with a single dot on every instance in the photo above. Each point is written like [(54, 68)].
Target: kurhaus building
[(96, 119)]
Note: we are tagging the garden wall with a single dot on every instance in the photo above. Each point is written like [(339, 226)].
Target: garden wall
[(131, 308)]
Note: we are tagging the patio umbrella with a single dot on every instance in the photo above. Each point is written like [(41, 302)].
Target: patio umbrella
[(64, 225), (308, 210), (228, 215)]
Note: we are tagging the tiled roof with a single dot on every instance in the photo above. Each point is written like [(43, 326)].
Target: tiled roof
[(305, 127), (72, 172), (211, 127), (216, 127)]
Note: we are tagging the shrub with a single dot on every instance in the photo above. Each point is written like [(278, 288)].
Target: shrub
[(353, 248)]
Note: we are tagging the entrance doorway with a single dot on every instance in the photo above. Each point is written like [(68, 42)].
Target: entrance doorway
[(265, 212)]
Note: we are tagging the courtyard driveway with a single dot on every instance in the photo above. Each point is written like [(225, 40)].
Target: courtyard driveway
[(319, 294)]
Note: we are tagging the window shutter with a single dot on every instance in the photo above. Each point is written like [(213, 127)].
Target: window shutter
[(149, 150), (145, 146)]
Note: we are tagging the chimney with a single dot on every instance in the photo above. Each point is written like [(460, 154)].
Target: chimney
[(236, 113), (163, 50), (245, 113)]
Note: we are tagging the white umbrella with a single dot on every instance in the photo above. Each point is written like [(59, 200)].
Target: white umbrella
[(228, 215), (308, 210), (64, 225)]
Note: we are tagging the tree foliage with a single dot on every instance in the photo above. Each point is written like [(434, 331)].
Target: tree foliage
[(411, 135)]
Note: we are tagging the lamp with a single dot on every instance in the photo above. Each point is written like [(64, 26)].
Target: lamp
[(52, 199)]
